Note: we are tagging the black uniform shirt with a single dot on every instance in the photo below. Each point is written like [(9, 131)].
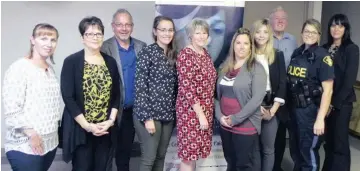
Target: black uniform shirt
[(314, 63)]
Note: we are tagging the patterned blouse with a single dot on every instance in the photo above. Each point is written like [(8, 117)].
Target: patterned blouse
[(97, 86), (31, 98), (155, 85), (333, 50)]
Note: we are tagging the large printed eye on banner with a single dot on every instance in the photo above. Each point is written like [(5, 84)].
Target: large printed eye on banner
[(224, 18)]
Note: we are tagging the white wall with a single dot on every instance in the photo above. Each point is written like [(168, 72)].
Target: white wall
[(19, 18), (255, 10), (351, 9)]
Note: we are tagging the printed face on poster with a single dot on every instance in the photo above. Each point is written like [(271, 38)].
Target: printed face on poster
[(223, 22), (224, 18)]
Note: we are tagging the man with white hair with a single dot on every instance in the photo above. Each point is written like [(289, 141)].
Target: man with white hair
[(287, 44)]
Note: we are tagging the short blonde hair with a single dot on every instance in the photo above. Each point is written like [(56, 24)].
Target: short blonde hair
[(195, 24), (315, 23), (312, 22)]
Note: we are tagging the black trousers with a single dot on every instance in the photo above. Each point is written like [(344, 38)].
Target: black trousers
[(239, 150), (305, 144), (125, 139), (94, 155), (337, 150)]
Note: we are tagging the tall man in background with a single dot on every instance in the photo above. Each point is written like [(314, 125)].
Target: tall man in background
[(287, 44), (124, 49)]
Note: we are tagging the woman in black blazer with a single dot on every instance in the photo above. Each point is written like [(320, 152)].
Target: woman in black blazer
[(345, 55), (90, 90), (274, 65)]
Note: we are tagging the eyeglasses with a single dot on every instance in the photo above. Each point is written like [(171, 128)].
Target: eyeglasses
[(91, 35), (310, 33), (242, 30), (165, 30), (119, 25)]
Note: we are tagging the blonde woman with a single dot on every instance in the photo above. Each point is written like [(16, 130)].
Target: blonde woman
[(31, 96), (273, 62), (194, 104), (310, 79), (240, 91)]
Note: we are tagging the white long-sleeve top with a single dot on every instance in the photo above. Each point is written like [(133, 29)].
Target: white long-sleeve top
[(31, 98), (264, 62)]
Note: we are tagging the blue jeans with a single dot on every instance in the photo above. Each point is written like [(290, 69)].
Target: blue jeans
[(23, 162), (305, 144)]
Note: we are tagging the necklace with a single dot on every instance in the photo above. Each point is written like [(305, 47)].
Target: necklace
[(201, 52)]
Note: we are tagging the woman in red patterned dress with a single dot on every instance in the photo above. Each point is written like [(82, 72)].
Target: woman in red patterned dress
[(194, 104)]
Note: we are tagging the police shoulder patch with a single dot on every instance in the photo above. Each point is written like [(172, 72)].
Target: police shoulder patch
[(328, 60)]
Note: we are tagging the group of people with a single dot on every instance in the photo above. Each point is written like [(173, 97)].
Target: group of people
[(115, 88)]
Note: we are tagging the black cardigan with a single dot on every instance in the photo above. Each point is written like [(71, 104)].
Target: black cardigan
[(71, 134), (277, 73), (346, 64)]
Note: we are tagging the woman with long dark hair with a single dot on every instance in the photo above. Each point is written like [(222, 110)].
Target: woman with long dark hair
[(155, 95), (240, 91), (345, 54)]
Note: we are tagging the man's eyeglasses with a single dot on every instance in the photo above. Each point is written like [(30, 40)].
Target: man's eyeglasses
[(119, 25), (91, 35)]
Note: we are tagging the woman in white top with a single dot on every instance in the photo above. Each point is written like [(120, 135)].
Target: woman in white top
[(274, 64), (31, 96)]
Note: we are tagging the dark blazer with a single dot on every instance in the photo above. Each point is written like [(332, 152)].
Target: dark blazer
[(277, 74), (346, 64), (110, 47), (72, 92)]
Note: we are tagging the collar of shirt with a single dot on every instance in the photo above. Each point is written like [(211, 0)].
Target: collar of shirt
[(285, 36), (157, 46), (131, 46), (301, 50), (311, 48)]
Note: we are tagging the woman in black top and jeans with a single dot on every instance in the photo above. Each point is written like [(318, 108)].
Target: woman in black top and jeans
[(155, 95), (345, 55)]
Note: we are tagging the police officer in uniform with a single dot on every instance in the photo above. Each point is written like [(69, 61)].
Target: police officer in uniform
[(310, 82)]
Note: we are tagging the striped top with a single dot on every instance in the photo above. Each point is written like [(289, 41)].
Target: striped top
[(31, 98), (229, 105)]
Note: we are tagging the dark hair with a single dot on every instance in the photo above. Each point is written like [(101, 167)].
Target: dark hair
[(90, 21), (230, 60), (171, 52), (339, 19), (43, 29)]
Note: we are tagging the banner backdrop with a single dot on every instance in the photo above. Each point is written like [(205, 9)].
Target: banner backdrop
[(224, 18)]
